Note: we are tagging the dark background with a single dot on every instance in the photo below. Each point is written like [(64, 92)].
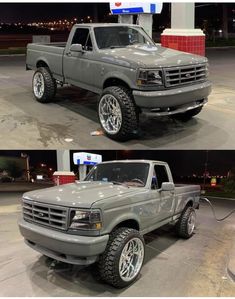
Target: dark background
[(182, 163), (39, 12)]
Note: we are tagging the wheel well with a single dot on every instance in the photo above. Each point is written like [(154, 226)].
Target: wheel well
[(115, 82), (131, 223), (189, 203), (41, 63)]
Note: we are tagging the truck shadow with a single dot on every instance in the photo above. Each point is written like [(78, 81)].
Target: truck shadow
[(164, 130), (61, 279), (79, 101)]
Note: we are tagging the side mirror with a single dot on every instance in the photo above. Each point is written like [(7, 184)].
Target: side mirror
[(168, 186), (76, 48)]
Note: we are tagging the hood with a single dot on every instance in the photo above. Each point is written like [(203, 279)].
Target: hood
[(81, 195), (150, 57)]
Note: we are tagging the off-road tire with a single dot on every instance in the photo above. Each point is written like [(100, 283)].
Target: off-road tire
[(186, 116), (182, 224), (50, 85), (108, 264), (130, 115)]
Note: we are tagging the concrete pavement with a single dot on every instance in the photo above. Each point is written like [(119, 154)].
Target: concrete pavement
[(231, 263), (68, 122), (173, 267), (231, 260)]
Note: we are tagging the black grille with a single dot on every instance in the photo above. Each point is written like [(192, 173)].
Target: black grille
[(49, 215), (185, 74)]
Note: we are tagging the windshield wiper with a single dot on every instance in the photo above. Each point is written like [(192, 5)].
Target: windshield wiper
[(119, 183), (116, 182), (115, 47)]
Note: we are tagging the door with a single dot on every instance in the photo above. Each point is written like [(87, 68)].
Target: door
[(78, 67), (163, 201)]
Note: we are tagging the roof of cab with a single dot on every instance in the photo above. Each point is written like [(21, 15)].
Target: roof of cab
[(134, 161), (104, 25)]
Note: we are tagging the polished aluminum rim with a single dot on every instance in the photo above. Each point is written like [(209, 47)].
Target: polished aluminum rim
[(38, 85), (131, 259), (110, 114), (191, 222)]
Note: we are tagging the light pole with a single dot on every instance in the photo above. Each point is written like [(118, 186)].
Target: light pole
[(26, 157), (205, 171)]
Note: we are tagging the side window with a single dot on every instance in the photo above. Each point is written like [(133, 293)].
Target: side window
[(154, 181), (161, 175), (82, 37)]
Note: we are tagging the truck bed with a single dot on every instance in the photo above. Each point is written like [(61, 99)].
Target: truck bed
[(185, 192), (52, 53)]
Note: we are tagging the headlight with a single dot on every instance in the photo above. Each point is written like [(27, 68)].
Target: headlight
[(85, 219), (149, 77)]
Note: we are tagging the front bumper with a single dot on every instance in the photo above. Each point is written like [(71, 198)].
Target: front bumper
[(174, 97), (73, 249)]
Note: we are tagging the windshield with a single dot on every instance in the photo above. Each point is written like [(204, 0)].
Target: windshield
[(131, 174), (120, 37)]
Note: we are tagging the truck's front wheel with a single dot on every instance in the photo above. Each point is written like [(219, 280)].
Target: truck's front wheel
[(117, 113), (186, 116), (44, 85), (123, 258), (186, 223)]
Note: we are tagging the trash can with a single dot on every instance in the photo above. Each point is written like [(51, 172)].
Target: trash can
[(63, 177)]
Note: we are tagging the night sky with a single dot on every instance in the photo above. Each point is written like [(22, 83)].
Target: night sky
[(207, 15), (181, 162), (28, 12)]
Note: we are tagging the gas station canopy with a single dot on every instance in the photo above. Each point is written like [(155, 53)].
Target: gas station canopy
[(86, 158), (120, 8)]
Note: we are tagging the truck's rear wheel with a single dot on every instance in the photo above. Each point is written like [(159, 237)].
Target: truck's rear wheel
[(186, 223), (123, 258), (117, 113), (186, 116), (44, 85)]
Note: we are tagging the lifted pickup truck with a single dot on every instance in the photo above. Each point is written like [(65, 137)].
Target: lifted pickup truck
[(103, 218), (127, 69)]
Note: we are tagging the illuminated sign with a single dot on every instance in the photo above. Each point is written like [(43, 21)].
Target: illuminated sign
[(213, 181), (120, 8), (86, 159)]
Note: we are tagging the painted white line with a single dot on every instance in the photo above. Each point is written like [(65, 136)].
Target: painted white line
[(10, 209), (4, 77), (10, 55)]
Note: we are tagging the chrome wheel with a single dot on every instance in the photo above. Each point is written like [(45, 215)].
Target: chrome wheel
[(110, 114), (38, 85), (191, 222), (131, 259)]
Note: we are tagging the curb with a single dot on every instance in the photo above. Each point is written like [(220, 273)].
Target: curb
[(217, 197), (10, 55), (231, 264), (220, 47)]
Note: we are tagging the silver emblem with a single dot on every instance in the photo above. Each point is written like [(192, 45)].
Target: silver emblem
[(187, 75), (41, 214)]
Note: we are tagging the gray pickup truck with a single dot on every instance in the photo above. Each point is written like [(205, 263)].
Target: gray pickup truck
[(127, 69), (103, 219)]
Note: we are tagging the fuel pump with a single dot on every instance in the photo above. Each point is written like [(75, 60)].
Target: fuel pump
[(144, 11), (85, 161)]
